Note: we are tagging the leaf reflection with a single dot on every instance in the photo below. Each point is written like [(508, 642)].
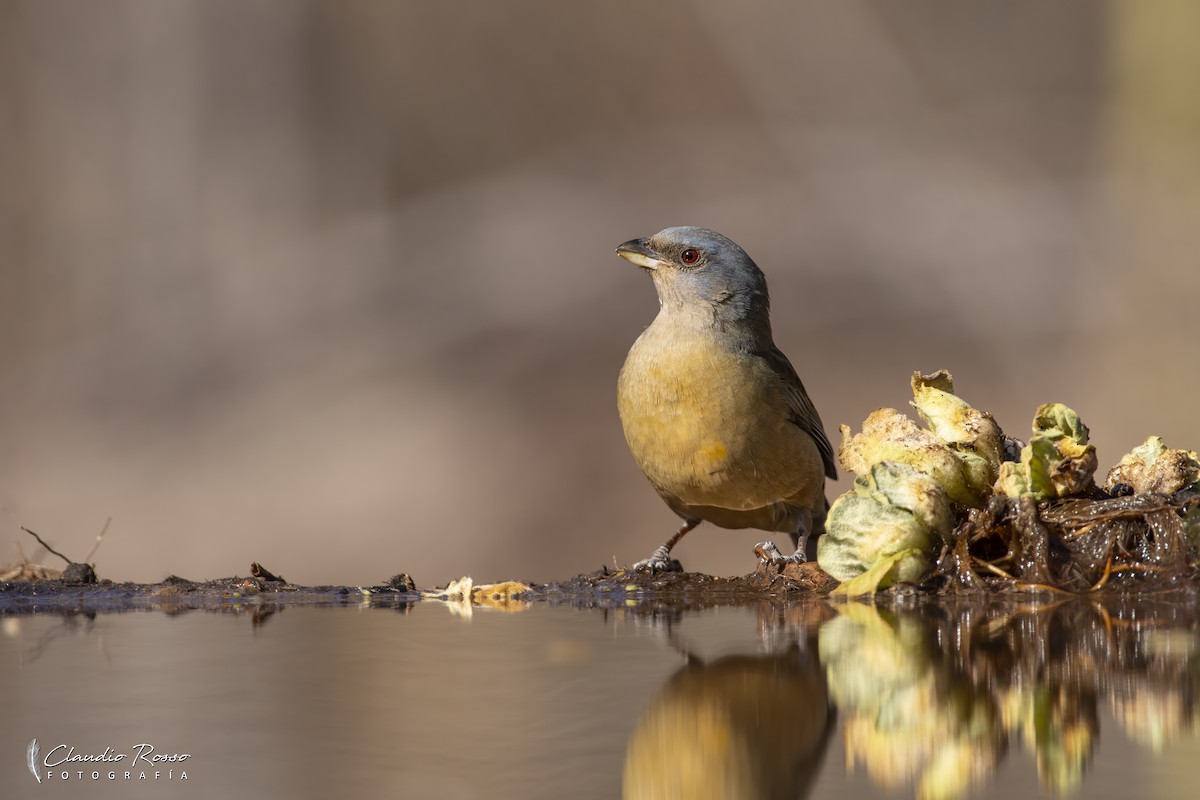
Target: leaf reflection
[(930, 699)]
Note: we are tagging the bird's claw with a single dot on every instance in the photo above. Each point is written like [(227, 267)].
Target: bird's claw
[(768, 553), (656, 565), (658, 562)]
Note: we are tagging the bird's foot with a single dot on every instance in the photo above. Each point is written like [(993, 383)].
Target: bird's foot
[(768, 553), (659, 561)]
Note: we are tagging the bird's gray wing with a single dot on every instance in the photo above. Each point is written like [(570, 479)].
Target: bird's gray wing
[(802, 411)]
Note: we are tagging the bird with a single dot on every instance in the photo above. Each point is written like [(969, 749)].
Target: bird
[(713, 412)]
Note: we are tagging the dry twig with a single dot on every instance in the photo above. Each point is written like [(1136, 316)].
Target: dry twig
[(48, 547), (99, 538)]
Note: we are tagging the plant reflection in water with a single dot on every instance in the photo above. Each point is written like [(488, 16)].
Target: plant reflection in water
[(929, 697)]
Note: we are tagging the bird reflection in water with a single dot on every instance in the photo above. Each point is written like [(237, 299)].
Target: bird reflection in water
[(742, 726)]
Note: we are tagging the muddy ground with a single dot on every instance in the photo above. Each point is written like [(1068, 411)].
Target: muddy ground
[(604, 588)]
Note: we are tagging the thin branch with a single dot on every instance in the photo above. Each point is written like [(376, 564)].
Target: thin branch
[(990, 567), (99, 538), (1108, 570), (48, 547)]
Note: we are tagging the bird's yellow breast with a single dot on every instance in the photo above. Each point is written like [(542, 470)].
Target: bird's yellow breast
[(706, 424)]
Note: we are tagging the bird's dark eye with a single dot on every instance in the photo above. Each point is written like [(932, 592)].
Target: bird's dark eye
[(690, 256)]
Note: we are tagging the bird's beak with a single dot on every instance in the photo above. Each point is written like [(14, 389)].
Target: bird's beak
[(637, 251)]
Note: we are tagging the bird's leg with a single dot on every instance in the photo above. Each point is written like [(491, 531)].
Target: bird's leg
[(768, 553), (660, 560)]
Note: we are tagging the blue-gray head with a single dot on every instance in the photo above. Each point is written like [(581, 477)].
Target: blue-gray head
[(706, 276)]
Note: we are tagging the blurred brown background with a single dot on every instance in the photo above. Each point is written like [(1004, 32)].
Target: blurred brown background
[(330, 285)]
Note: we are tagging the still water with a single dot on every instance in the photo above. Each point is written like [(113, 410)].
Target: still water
[(815, 700)]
